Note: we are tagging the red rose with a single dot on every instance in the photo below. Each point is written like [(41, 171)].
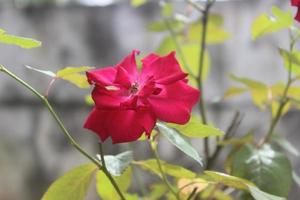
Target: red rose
[(128, 102), (297, 4)]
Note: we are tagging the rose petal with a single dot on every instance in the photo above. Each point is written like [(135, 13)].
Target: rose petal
[(120, 125), (164, 69), (109, 99), (174, 103), (129, 64), (103, 77), (295, 2)]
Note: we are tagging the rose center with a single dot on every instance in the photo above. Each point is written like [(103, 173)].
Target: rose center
[(134, 88)]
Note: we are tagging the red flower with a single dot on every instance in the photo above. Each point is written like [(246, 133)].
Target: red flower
[(297, 4), (128, 102)]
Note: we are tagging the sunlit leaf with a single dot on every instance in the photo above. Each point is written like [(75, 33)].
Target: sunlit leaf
[(259, 91), (179, 141), (264, 166), (195, 129), (137, 3), (106, 190), (73, 185), (160, 26), (167, 9), (292, 58), (216, 33), (73, 75), (186, 186), (19, 41), (117, 164), (265, 24), (233, 91), (171, 170), (241, 184), (89, 100)]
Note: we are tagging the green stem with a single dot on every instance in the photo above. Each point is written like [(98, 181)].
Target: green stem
[(163, 175), (284, 99), (49, 107), (204, 21), (108, 175), (192, 194)]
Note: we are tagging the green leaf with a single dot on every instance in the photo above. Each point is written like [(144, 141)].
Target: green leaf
[(106, 190), (167, 9), (240, 184), (89, 100), (116, 165), (18, 41), (293, 57), (265, 24), (137, 3), (296, 178), (73, 185), (172, 170), (233, 91), (264, 166), (216, 34), (248, 138), (191, 52), (286, 145), (160, 26), (46, 72), (195, 129), (73, 75), (157, 191), (181, 143), (259, 91)]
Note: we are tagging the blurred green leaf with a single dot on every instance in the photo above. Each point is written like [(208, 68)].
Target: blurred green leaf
[(241, 184), (106, 190), (46, 72), (73, 185), (19, 41), (264, 166), (296, 178), (237, 141), (137, 3), (73, 75), (195, 129), (160, 26), (293, 57), (216, 34), (89, 100), (157, 191), (259, 91), (191, 53), (179, 141), (169, 169), (116, 165), (233, 91), (286, 145), (167, 9), (265, 24)]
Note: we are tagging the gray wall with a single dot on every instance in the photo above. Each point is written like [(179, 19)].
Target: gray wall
[(33, 152)]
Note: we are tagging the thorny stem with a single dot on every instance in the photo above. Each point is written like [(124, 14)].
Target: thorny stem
[(108, 175), (71, 140), (284, 99), (204, 21), (163, 175)]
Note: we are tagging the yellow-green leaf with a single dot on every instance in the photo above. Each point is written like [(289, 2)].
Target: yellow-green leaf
[(19, 41), (172, 170), (137, 3), (195, 129), (265, 24), (73, 185), (292, 58), (106, 190), (73, 75), (233, 91)]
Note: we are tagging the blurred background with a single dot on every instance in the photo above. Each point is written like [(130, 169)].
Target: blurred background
[(33, 152)]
